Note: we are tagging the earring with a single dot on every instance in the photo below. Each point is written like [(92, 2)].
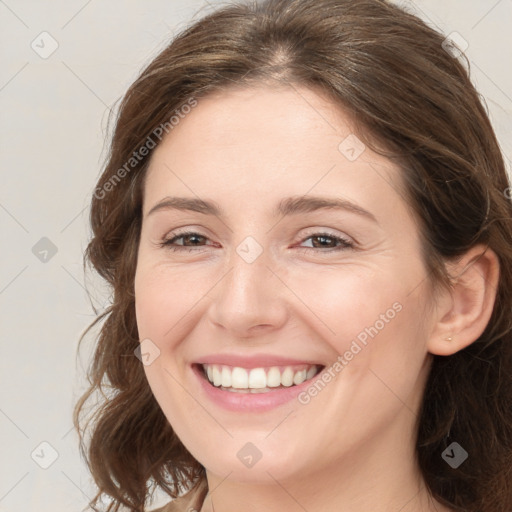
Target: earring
[(449, 338)]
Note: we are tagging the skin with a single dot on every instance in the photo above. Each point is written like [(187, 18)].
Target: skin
[(352, 447)]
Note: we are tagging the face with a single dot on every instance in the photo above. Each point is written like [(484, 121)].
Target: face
[(282, 263)]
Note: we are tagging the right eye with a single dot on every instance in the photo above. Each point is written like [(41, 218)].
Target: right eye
[(170, 243)]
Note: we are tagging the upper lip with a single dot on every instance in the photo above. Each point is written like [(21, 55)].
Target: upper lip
[(254, 361)]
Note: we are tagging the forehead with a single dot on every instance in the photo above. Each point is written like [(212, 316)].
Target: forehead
[(260, 117), (259, 143)]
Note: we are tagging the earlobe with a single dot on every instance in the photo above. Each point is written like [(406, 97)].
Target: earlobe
[(464, 311)]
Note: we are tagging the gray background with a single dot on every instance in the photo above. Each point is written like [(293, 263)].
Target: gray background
[(52, 131)]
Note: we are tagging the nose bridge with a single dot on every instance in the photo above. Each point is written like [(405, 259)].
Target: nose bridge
[(249, 295)]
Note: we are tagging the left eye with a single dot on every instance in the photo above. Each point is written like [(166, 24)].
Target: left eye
[(326, 241), (323, 241)]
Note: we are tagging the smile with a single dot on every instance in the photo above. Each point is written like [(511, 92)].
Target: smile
[(258, 380), (255, 384)]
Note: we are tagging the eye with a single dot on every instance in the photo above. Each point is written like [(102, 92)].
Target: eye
[(325, 241), (192, 236), (329, 242)]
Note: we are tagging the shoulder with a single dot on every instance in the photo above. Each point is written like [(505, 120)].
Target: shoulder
[(190, 502)]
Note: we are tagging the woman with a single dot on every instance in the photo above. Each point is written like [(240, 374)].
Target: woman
[(305, 223)]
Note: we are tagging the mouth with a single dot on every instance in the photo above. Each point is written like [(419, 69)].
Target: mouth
[(236, 379)]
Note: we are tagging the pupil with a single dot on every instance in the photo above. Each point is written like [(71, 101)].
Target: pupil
[(323, 239), (194, 238)]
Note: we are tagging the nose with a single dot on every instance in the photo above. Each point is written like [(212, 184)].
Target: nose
[(250, 300)]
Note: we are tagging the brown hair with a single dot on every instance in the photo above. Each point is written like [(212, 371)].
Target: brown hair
[(389, 70)]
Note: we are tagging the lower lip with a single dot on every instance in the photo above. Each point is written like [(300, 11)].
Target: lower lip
[(249, 402)]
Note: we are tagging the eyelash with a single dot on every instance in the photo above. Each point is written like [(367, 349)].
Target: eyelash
[(168, 243)]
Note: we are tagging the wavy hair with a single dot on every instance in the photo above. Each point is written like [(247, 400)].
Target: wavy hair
[(412, 102)]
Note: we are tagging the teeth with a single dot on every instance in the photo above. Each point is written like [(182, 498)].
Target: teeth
[(273, 377), (299, 377), (226, 377), (257, 379), (239, 378), (217, 376), (287, 377), (311, 373)]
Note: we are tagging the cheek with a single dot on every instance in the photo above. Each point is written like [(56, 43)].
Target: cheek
[(374, 323), (164, 306), (369, 316), (167, 300), (347, 301)]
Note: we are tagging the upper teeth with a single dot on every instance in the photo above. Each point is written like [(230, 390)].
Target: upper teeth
[(258, 378)]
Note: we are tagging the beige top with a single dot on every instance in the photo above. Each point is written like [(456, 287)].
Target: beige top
[(191, 502)]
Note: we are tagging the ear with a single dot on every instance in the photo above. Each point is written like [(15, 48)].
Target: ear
[(463, 312)]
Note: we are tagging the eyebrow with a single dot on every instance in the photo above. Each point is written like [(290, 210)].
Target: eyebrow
[(285, 207)]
